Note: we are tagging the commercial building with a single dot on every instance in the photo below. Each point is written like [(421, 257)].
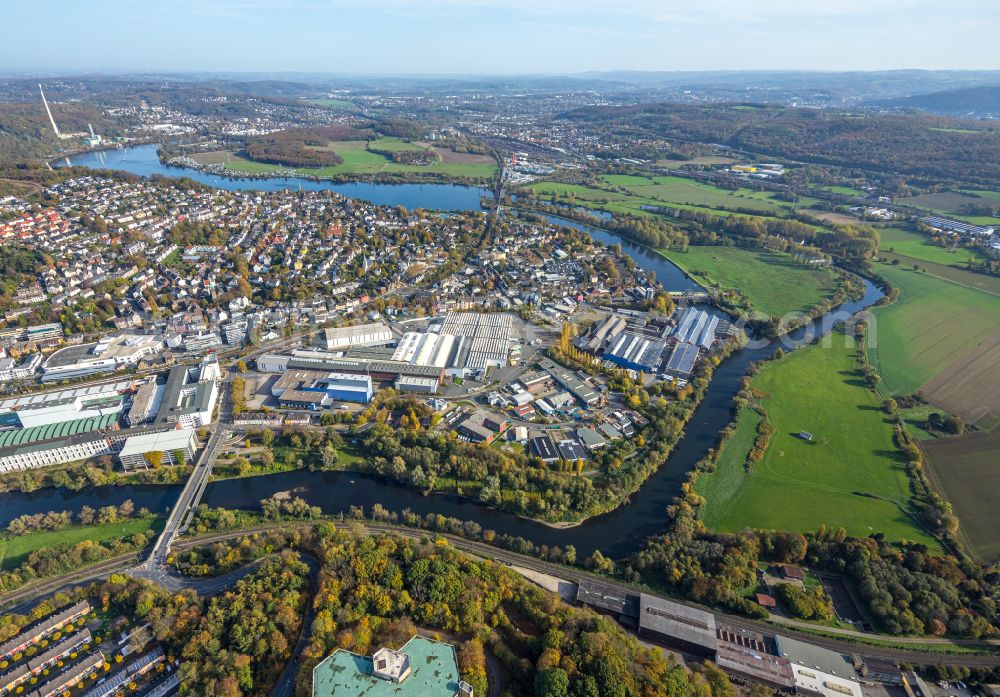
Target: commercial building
[(105, 356), (482, 427), (174, 446), (410, 383), (56, 451), (340, 338), (190, 394), (819, 671), (571, 382), (195, 343), (311, 389), (421, 668), (635, 352), (145, 403)]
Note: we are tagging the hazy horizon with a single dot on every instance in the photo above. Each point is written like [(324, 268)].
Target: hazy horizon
[(496, 38)]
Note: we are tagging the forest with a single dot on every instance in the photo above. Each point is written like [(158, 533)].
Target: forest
[(920, 144), (381, 590), (301, 147)]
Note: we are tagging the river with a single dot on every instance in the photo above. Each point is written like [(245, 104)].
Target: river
[(617, 533)]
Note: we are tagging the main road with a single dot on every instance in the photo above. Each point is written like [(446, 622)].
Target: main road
[(155, 566)]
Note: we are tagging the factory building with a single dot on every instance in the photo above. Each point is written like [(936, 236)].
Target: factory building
[(340, 338), (697, 327), (682, 360), (635, 352), (174, 446), (310, 389), (105, 356), (379, 370), (72, 404), (57, 451), (490, 338), (604, 331)]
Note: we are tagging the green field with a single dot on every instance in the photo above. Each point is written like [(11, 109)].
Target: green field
[(773, 282), (851, 475), (845, 191), (932, 323), (670, 191), (358, 160), (950, 204), (15, 549), (920, 246)]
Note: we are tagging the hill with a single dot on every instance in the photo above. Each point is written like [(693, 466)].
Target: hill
[(981, 101)]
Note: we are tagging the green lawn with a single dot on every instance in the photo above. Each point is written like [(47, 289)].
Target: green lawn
[(358, 160), (851, 475), (919, 246), (15, 549), (933, 322), (773, 282)]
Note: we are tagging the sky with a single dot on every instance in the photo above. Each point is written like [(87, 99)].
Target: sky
[(496, 36)]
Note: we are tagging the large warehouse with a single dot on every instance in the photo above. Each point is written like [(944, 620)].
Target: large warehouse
[(312, 389), (635, 352), (488, 336), (379, 370), (58, 406), (697, 327), (340, 338)]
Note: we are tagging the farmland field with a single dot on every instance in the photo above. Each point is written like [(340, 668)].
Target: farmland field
[(950, 203), (920, 246), (774, 283), (680, 190), (965, 470), (358, 160), (935, 328), (851, 475)]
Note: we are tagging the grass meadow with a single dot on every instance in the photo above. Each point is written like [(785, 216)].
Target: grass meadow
[(851, 475)]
